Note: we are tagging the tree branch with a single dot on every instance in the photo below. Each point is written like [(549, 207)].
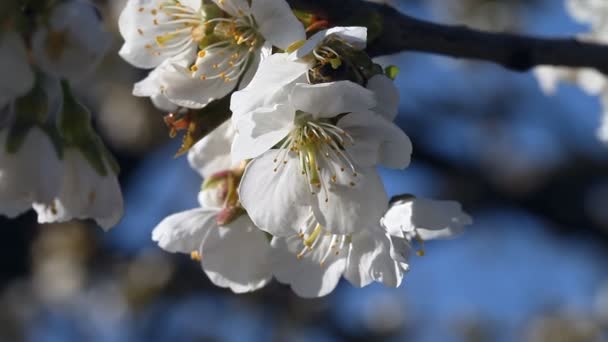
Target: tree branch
[(392, 32)]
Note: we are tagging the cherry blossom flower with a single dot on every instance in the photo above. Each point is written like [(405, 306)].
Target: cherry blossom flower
[(85, 193), (279, 73), (29, 174), (313, 261), (420, 219), (202, 52), (73, 42), (328, 143), (233, 252)]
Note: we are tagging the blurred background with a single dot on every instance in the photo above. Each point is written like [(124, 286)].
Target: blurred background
[(527, 167)]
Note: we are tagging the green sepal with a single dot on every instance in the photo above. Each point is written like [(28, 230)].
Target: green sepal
[(91, 153), (109, 157), (392, 71), (76, 130), (31, 110)]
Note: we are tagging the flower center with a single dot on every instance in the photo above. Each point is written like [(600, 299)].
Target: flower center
[(181, 26), (320, 146), (313, 237), (234, 41)]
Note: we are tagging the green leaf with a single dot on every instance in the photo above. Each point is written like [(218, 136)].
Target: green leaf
[(391, 72)]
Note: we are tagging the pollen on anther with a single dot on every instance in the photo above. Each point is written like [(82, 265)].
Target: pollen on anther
[(141, 9), (140, 31), (154, 11), (352, 183), (201, 54), (203, 77), (155, 22)]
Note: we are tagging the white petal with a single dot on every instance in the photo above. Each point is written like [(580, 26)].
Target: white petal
[(271, 84), (162, 103), (264, 52), (188, 90), (277, 202), (33, 174), (84, 194), (355, 35), (195, 5), (212, 153), (346, 208), (82, 44), (261, 130), (212, 197), (430, 218), (277, 23), (370, 260), (377, 141), (327, 100), (591, 81), (237, 256), (17, 76), (137, 26), (236, 8), (305, 275), (549, 77), (387, 96), (184, 232)]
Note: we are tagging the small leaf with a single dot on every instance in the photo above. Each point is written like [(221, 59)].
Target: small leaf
[(391, 72)]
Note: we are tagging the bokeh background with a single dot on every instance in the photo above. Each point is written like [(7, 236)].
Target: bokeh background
[(527, 167)]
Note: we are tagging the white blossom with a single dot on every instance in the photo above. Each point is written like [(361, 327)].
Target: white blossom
[(233, 252), (279, 73), (203, 55), (425, 219), (328, 145), (591, 81), (313, 261), (73, 42), (212, 153), (233, 255), (84, 193), (30, 174), (17, 75)]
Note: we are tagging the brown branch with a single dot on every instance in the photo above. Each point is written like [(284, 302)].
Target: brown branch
[(395, 32)]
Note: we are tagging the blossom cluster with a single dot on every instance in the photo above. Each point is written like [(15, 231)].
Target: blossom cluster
[(51, 159), (291, 188), (593, 13)]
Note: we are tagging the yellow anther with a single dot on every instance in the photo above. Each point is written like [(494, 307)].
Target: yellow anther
[(201, 54), (162, 39), (196, 256), (194, 68)]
